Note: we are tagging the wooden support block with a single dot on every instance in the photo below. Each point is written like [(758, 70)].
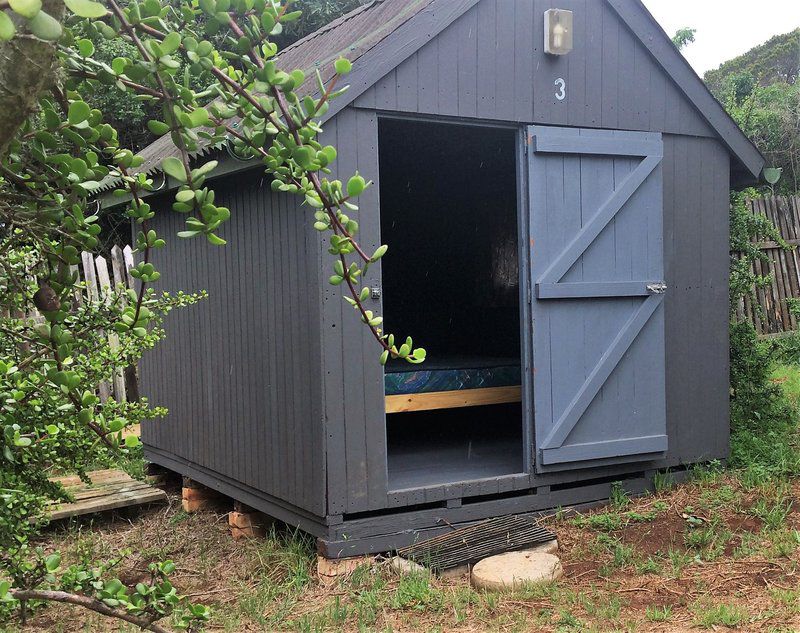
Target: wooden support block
[(247, 525), (196, 497), (329, 568), (452, 399), (161, 477)]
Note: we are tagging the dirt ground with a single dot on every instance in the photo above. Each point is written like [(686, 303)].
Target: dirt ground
[(711, 554)]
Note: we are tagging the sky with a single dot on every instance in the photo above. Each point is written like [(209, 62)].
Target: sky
[(725, 28)]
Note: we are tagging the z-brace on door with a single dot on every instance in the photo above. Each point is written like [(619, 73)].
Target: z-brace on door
[(597, 280)]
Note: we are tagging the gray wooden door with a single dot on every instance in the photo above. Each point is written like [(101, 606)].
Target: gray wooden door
[(597, 284)]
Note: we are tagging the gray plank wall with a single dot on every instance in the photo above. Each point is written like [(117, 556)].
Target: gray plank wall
[(489, 64), (240, 372), (612, 82), (696, 259), (353, 377)]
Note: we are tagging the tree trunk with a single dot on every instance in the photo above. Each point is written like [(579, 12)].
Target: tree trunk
[(27, 68)]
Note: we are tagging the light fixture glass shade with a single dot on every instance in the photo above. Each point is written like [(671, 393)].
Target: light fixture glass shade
[(557, 31)]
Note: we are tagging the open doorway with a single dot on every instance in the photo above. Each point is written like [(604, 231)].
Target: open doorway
[(451, 280)]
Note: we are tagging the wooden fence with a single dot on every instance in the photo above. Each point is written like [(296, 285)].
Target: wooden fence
[(769, 311), (101, 275), (101, 279)]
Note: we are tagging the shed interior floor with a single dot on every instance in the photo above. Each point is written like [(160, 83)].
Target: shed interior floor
[(451, 445)]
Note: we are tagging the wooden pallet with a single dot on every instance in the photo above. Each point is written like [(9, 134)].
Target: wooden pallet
[(110, 489)]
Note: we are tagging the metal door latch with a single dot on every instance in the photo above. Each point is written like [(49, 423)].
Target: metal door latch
[(375, 293), (656, 289)]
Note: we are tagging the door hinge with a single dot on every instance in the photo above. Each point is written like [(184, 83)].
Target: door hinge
[(657, 289)]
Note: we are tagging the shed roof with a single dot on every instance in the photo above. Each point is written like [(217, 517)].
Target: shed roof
[(386, 32)]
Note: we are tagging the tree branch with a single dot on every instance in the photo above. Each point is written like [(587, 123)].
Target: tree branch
[(146, 624)]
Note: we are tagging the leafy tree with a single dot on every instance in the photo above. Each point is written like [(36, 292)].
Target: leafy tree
[(316, 14), (770, 116), (775, 61), (683, 37), (759, 90), (206, 70), (129, 117)]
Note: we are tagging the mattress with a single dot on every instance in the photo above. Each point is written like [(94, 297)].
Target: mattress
[(450, 374)]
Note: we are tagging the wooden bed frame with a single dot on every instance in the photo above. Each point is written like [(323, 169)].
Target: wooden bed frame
[(452, 399)]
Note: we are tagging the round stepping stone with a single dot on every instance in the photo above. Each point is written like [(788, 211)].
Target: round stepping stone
[(514, 570), (551, 547)]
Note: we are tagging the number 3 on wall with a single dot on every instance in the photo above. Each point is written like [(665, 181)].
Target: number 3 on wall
[(561, 89)]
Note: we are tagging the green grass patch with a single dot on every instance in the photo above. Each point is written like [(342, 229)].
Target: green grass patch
[(729, 615), (764, 410), (658, 614)]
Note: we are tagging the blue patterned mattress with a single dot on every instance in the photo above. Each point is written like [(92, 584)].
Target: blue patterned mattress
[(451, 374)]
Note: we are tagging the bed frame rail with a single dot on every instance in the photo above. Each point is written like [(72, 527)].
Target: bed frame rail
[(452, 399)]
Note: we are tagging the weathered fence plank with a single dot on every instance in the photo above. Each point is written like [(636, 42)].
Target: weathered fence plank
[(768, 308), (107, 294)]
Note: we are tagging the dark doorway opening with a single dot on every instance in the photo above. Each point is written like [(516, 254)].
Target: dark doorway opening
[(451, 280)]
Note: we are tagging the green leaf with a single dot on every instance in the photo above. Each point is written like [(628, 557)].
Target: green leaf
[(174, 167), (207, 168), (188, 234), (216, 240), (355, 186), (267, 21), (199, 117), (45, 27), (86, 8), (159, 128), (79, 111), (379, 252), (343, 66), (23, 442), (26, 8), (185, 195), (85, 48), (384, 356), (132, 441), (7, 28), (4, 587), (171, 43), (52, 562)]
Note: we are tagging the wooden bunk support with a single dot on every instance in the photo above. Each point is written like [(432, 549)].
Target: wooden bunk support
[(452, 399)]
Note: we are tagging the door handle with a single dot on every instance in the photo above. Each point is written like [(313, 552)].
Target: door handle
[(657, 289)]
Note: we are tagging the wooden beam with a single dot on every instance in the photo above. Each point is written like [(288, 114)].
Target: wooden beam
[(452, 399)]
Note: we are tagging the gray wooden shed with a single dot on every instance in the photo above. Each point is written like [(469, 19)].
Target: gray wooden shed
[(558, 231)]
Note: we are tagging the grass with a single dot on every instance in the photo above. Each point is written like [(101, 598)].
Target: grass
[(720, 551), (658, 614), (728, 615), (612, 579)]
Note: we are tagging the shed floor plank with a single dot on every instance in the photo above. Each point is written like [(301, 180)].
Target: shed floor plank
[(435, 463)]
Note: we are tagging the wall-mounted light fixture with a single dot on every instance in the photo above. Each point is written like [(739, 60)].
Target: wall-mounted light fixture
[(557, 31)]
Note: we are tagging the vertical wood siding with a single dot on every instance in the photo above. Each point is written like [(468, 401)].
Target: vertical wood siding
[(240, 372), (353, 377), (696, 259), (268, 389), (489, 64)]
